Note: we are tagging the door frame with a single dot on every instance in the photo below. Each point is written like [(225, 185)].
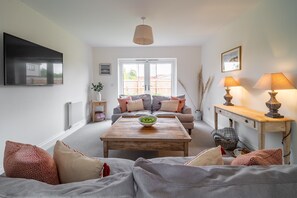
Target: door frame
[(146, 62)]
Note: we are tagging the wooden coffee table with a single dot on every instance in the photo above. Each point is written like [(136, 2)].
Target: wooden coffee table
[(127, 134)]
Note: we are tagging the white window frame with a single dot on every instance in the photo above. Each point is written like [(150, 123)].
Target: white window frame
[(146, 62)]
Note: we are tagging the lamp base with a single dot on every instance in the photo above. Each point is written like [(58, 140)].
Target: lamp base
[(274, 115), (273, 106), (228, 98)]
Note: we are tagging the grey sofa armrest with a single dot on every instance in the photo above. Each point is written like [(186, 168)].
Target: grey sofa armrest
[(187, 110), (117, 110)]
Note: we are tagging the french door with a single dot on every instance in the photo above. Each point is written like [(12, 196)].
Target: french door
[(153, 76)]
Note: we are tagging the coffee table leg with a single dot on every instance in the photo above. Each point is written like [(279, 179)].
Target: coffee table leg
[(105, 148), (186, 149)]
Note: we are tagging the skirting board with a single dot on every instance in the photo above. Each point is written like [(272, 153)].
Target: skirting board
[(51, 141)]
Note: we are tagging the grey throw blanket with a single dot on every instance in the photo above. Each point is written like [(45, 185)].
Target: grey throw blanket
[(118, 185), (165, 180)]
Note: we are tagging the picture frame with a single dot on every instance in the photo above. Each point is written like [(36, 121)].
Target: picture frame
[(231, 60), (105, 69)]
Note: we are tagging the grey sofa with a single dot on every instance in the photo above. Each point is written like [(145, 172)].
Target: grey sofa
[(166, 177), (152, 104)]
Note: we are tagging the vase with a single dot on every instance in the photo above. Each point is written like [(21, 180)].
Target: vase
[(198, 115), (98, 96)]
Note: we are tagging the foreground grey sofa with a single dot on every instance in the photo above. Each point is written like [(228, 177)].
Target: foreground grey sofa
[(152, 106), (167, 177)]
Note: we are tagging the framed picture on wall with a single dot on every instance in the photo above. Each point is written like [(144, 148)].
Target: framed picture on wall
[(104, 68), (231, 60)]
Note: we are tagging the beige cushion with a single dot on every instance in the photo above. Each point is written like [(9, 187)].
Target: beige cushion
[(73, 166), (207, 157), (169, 105), (135, 105)]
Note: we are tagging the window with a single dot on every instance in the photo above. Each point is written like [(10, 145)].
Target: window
[(153, 76)]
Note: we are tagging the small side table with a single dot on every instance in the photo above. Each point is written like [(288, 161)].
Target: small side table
[(96, 104)]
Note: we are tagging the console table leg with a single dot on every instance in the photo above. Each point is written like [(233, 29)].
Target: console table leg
[(261, 137), (287, 143), (105, 149)]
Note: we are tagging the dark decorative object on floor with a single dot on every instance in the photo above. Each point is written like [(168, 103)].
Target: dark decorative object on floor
[(226, 137)]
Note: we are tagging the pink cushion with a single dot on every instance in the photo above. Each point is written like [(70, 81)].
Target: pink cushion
[(260, 157), (181, 104), (123, 103), (30, 162)]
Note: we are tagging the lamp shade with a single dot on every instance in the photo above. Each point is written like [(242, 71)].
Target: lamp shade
[(229, 81), (143, 35), (274, 81)]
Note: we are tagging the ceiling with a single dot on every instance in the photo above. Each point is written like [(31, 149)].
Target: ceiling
[(111, 23)]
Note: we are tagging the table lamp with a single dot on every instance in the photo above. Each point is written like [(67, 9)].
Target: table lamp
[(273, 81), (229, 81)]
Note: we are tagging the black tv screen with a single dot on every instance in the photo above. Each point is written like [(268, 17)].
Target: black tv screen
[(26, 63)]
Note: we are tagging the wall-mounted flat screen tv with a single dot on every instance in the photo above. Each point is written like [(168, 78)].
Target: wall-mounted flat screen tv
[(26, 63)]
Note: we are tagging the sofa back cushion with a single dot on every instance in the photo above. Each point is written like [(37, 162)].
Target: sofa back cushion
[(30, 162), (156, 104), (165, 180), (135, 105), (145, 97)]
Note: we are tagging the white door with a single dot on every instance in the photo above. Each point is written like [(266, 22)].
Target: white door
[(153, 76)]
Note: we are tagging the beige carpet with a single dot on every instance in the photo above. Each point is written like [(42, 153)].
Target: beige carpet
[(88, 142)]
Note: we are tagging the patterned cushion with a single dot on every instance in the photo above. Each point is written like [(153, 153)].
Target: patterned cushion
[(156, 104), (30, 162), (74, 166), (208, 157), (182, 102), (260, 157), (123, 103), (169, 105)]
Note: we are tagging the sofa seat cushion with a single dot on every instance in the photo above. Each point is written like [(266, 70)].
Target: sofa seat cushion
[(165, 113), (183, 118), (137, 113)]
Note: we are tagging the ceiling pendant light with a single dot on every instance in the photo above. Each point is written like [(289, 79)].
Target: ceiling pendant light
[(143, 34)]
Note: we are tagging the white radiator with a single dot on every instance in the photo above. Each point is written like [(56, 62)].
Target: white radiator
[(75, 113)]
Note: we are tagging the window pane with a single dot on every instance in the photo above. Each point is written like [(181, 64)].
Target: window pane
[(160, 79), (133, 75)]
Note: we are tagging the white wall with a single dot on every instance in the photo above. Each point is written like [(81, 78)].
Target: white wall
[(188, 63), (267, 35), (35, 115)]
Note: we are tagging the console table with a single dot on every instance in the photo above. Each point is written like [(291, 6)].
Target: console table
[(257, 121)]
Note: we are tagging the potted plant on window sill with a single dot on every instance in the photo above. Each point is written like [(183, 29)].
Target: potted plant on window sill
[(97, 88)]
